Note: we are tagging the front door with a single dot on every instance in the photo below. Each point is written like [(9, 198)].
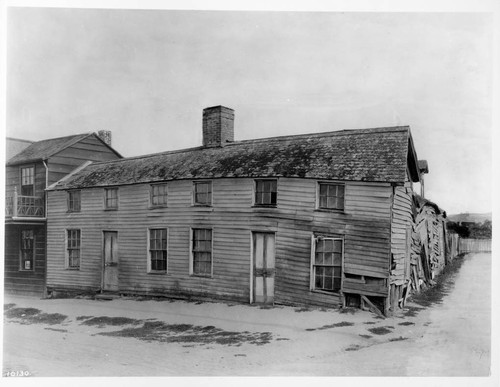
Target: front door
[(110, 252), (263, 267)]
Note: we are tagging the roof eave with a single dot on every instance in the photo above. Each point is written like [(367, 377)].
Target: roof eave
[(412, 160)]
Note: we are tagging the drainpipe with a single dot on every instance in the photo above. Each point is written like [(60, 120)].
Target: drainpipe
[(45, 228)]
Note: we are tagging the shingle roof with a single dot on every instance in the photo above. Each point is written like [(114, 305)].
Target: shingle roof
[(378, 154), (41, 150)]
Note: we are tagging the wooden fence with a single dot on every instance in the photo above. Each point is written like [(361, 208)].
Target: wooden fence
[(468, 245), (457, 245)]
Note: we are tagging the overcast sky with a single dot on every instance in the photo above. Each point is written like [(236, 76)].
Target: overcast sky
[(146, 75)]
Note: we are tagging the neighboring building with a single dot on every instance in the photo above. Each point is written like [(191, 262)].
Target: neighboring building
[(13, 146), (309, 219), (28, 173)]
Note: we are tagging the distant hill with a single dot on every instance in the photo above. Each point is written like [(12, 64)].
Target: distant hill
[(468, 217)]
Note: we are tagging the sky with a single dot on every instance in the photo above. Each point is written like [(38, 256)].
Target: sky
[(146, 75)]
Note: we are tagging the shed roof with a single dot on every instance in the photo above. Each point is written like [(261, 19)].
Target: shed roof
[(44, 149), (378, 155)]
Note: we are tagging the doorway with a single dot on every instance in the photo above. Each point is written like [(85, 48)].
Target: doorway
[(110, 258), (263, 267)]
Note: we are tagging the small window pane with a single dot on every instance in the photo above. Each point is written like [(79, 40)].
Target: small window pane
[(327, 264), (331, 196), (158, 249), (73, 248), (266, 192), (111, 198), (203, 192), (202, 251)]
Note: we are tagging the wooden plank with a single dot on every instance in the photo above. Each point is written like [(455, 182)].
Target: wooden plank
[(372, 307)]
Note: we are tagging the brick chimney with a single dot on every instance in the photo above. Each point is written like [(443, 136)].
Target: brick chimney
[(218, 126), (105, 135)]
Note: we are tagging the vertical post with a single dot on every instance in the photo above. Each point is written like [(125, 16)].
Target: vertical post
[(14, 204)]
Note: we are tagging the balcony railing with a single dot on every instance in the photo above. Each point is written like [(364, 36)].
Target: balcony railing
[(19, 206)]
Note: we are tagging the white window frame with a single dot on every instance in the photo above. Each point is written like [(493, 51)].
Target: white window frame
[(149, 269), (312, 284), (106, 190), (66, 249), (255, 204), (21, 185), (194, 202), (70, 192), (191, 253), (318, 190), (165, 195)]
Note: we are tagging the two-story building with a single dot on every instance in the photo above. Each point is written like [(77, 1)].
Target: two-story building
[(320, 219), (31, 167)]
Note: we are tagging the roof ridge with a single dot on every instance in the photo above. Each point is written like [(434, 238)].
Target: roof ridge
[(60, 138), (264, 139)]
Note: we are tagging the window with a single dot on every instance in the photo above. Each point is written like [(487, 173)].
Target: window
[(157, 250), (73, 244), (326, 264), (159, 195), (74, 201), (203, 193), (202, 252), (111, 198), (331, 196), (27, 250), (266, 192), (28, 181)]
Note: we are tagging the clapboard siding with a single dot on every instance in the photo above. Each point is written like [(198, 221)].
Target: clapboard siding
[(400, 235), (23, 281), (67, 160), (364, 225)]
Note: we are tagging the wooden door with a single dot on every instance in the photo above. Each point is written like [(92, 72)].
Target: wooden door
[(263, 267), (110, 258)]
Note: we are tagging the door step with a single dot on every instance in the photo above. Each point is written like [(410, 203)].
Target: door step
[(106, 296)]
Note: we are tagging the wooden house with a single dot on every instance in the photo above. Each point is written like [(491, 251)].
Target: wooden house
[(31, 167), (319, 219)]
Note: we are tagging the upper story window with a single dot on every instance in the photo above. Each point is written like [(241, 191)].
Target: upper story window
[(28, 181), (159, 195), (73, 245), (74, 201), (331, 196), (327, 264), (111, 198), (202, 192), (266, 192)]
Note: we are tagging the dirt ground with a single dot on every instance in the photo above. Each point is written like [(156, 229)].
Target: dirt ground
[(434, 336)]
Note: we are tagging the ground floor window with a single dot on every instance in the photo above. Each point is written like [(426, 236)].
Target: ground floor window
[(201, 253), (27, 250), (73, 246), (326, 265), (158, 250)]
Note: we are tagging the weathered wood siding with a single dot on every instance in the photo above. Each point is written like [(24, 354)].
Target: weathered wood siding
[(401, 235), (18, 281), (64, 162), (364, 226)]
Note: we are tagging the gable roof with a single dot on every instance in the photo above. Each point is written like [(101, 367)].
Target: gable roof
[(378, 155), (42, 150)]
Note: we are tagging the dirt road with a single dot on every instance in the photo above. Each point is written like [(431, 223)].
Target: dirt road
[(446, 334)]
